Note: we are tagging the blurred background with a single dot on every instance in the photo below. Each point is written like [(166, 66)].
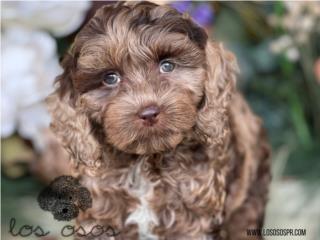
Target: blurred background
[(278, 49)]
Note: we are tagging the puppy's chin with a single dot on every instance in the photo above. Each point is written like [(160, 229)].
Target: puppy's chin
[(137, 139), (151, 145)]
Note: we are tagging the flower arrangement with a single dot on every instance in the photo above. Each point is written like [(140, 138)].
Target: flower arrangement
[(30, 62)]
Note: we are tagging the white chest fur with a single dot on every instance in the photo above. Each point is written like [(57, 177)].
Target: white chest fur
[(141, 188)]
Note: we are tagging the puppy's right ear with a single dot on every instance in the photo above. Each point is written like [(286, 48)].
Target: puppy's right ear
[(71, 126)]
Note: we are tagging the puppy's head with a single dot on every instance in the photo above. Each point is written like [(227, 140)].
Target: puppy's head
[(146, 75)]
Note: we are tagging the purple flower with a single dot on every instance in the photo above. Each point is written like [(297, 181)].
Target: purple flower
[(202, 13), (183, 6)]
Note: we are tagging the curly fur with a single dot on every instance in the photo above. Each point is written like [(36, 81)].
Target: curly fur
[(202, 172)]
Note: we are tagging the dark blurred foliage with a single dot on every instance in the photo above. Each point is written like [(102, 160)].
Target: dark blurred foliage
[(284, 93)]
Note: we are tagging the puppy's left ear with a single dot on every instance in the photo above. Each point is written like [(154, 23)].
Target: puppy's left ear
[(212, 125)]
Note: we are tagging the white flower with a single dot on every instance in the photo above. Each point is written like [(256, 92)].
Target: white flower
[(300, 20), (301, 16), (277, 46), (29, 66), (292, 54), (285, 45), (29, 61), (303, 7), (59, 17)]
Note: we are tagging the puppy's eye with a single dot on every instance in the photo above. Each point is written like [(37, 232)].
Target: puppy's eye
[(111, 79), (166, 66)]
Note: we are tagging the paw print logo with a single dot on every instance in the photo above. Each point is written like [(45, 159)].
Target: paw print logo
[(64, 197)]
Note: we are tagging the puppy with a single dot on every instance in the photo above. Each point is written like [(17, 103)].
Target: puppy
[(148, 111)]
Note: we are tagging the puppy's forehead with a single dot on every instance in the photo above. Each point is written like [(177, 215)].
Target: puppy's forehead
[(138, 33)]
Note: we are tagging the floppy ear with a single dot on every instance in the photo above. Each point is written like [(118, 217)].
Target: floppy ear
[(71, 125), (212, 125)]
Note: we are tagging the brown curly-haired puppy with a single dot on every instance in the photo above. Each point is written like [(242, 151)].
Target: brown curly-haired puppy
[(156, 130)]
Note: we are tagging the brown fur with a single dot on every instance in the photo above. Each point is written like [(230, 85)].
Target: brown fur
[(202, 169)]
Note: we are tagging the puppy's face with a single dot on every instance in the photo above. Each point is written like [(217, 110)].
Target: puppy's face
[(140, 73)]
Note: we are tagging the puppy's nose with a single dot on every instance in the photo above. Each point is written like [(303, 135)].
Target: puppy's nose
[(149, 114)]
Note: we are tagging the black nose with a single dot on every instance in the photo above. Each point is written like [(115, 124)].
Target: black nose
[(149, 114)]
